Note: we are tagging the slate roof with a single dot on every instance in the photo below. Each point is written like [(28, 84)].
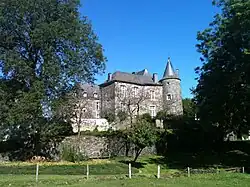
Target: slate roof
[(169, 71), (141, 78), (90, 89)]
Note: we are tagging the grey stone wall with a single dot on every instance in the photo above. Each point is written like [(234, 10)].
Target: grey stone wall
[(107, 98), (172, 86), (103, 147), (142, 98)]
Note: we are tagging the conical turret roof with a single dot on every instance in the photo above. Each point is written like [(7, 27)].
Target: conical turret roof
[(169, 71)]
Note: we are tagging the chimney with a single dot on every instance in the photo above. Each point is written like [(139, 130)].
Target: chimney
[(177, 72), (155, 77), (109, 77)]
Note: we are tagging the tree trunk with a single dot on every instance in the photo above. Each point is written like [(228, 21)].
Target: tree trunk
[(137, 154)]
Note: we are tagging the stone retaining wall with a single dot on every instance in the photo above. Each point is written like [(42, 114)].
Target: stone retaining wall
[(103, 147)]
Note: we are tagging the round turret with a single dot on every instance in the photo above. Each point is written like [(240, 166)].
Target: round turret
[(172, 100)]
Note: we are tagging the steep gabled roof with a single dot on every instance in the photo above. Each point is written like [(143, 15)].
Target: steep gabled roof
[(141, 78)]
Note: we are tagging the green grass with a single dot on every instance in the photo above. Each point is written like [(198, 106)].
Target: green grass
[(113, 173), (97, 169), (206, 180)]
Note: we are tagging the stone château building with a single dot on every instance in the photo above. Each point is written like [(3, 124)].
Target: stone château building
[(135, 93)]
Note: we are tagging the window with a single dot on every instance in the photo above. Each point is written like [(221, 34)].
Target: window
[(123, 90), (135, 91), (152, 111), (169, 97), (97, 105), (123, 106), (85, 94), (152, 94), (95, 95), (97, 111), (97, 114)]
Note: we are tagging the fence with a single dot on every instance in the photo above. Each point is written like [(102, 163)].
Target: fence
[(188, 171), (109, 170)]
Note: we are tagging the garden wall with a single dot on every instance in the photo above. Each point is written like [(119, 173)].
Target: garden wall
[(104, 146)]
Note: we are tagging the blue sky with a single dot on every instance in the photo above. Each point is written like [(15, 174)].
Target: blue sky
[(138, 34)]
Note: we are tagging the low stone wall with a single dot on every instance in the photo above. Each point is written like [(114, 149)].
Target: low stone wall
[(103, 147)]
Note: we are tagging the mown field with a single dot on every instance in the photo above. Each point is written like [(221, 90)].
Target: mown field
[(112, 173), (204, 180)]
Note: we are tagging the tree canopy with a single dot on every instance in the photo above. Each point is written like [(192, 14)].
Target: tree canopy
[(46, 47), (223, 91)]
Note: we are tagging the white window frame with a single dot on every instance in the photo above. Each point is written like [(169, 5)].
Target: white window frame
[(123, 90), (135, 91), (152, 95), (85, 94), (97, 105), (123, 106), (169, 97), (152, 109), (95, 95)]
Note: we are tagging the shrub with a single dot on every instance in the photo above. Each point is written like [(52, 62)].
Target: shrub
[(72, 154)]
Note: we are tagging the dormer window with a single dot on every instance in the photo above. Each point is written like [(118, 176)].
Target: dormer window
[(85, 94), (95, 95)]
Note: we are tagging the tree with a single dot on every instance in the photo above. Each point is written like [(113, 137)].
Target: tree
[(223, 91), (142, 134), (78, 107), (189, 108), (131, 102), (45, 49)]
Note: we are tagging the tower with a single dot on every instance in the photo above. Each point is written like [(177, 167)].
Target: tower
[(172, 100)]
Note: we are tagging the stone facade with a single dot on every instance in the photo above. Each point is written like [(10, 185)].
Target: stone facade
[(172, 100), (136, 93)]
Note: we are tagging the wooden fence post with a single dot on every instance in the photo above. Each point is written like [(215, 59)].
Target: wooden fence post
[(129, 170), (159, 172), (87, 171), (243, 169), (37, 173), (188, 170)]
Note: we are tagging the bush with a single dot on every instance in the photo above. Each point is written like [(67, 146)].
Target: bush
[(72, 154)]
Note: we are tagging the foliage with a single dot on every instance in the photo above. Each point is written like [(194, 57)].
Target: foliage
[(147, 117), (142, 134), (72, 154), (108, 115), (223, 91), (189, 108), (122, 115), (45, 48)]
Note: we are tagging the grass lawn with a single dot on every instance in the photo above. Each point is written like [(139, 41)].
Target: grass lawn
[(205, 180), (112, 173)]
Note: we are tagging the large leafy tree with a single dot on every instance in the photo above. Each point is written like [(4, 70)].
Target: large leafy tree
[(223, 91), (142, 134), (45, 48)]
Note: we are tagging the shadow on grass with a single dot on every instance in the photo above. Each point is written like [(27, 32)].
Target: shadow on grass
[(182, 160), (137, 165)]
